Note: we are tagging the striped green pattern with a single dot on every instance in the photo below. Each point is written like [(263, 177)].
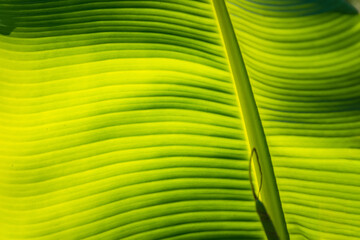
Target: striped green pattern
[(303, 60), (118, 120)]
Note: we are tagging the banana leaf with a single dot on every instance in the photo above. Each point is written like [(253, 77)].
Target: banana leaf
[(137, 119)]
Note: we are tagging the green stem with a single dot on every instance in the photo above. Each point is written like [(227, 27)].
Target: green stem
[(255, 132)]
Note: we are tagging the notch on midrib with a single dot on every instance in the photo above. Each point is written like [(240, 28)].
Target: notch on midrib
[(253, 127)]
